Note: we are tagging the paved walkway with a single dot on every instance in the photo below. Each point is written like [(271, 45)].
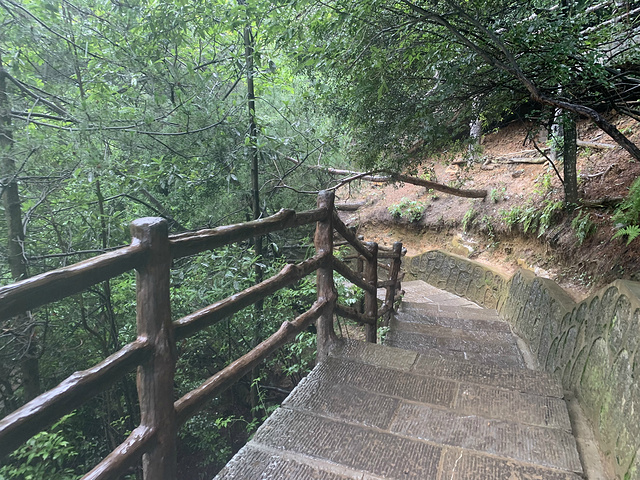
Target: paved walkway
[(447, 398)]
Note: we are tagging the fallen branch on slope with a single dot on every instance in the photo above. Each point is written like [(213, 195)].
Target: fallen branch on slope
[(390, 177)]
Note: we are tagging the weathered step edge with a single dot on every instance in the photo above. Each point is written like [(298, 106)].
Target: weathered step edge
[(522, 380)]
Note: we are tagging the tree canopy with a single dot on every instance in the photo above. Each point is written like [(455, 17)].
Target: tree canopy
[(408, 70)]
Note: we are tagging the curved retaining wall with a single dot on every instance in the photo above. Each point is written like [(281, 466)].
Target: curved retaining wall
[(593, 346)]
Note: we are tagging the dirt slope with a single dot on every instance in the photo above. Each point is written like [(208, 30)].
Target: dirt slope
[(489, 237)]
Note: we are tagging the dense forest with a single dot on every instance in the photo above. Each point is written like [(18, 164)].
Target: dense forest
[(210, 112)]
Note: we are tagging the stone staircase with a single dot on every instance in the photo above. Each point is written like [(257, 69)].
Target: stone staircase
[(448, 397)]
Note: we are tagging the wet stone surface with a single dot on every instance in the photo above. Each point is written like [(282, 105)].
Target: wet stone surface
[(503, 376), (544, 446), (405, 320), (459, 464), (380, 453), (513, 406), (252, 463), (344, 402), (483, 352)]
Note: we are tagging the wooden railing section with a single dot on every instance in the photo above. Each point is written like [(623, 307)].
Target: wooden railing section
[(154, 351)]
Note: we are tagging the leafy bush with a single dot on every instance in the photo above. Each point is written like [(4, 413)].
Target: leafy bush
[(411, 210), (395, 211), (547, 216), (45, 455), (511, 217), (497, 194)]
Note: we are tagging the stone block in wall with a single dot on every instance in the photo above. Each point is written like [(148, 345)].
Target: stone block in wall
[(592, 387), (573, 376), (619, 324), (601, 319), (462, 284), (551, 357), (632, 338), (567, 348), (613, 420)]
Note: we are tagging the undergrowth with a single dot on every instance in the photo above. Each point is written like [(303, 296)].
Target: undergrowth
[(411, 210), (531, 218), (627, 215)]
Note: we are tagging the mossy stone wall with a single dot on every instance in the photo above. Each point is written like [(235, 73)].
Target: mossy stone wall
[(593, 346)]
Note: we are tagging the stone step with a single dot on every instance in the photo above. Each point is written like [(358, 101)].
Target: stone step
[(256, 462), (472, 334), (438, 366), (441, 311), (453, 321), (350, 419), (418, 291), (461, 349), (477, 340), (375, 389)]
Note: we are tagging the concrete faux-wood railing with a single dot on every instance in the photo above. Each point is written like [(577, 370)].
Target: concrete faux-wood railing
[(154, 351)]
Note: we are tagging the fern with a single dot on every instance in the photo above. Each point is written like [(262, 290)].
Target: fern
[(547, 216), (583, 226), (628, 212), (631, 232)]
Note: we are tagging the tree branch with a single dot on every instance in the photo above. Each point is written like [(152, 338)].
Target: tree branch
[(395, 177)]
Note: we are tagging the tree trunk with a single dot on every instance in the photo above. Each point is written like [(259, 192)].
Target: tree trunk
[(255, 200), (29, 367), (107, 305), (570, 150)]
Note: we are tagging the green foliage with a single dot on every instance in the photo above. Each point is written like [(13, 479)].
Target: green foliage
[(627, 215), (468, 219), (543, 184), (497, 194), (46, 455), (411, 210), (531, 218), (630, 231), (583, 226), (382, 334), (548, 215), (511, 217), (486, 226)]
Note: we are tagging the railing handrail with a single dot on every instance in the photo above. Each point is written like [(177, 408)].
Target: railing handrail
[(150, 254)]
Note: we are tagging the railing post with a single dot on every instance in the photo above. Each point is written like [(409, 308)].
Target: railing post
[(323, 242), (371, 299), (393, 276), (156, 376), (360, 270)]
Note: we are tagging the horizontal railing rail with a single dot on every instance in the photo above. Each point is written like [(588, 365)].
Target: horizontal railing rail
[(154, 352), (44, 410), (48, 287), (193, 323)]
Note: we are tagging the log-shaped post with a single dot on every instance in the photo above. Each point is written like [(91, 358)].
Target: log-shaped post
[(156, 375), (393, 277), (323, 242), (370, 299), (360, 270)]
